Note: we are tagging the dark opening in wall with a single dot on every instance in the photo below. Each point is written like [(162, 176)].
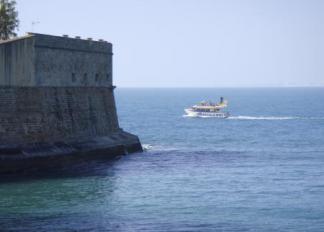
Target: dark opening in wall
[(108, 76), (85, 78), (97, 76), (73, 77)]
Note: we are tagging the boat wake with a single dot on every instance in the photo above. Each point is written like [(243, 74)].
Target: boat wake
[(262, 118), (242, 117), (273, 118)]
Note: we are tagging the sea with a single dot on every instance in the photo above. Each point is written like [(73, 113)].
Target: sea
[(261, 169)]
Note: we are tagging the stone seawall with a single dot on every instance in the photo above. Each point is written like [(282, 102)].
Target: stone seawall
[(42, 127), (47, 114), (44, 156), (57, 103)]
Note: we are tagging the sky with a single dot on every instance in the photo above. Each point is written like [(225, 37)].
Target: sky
[(195, 43)]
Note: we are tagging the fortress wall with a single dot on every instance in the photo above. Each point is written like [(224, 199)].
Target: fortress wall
[(55, 89), (17, 62), (72, 62), (42, 60), (56, 99), (59, 67), (58, 42), (52, 114)]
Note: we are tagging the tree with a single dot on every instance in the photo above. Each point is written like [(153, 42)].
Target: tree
[(8, 19)]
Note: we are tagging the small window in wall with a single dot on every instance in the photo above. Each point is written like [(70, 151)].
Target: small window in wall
[(108, 76), (85, 78), (97, 77), (73, 77)]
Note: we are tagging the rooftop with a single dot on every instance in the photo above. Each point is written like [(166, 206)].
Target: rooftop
[(32, 34)]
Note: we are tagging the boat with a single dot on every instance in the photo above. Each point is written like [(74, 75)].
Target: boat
[(208, 109)]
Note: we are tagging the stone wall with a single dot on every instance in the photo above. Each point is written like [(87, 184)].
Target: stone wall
[(56, 92), (52, 114), (17, 62), (55, 89), (72, 62), (43, 60)]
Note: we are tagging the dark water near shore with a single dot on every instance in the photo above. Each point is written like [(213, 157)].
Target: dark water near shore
[(260, 170)]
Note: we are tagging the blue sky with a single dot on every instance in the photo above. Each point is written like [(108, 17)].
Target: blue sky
[(195, 43)]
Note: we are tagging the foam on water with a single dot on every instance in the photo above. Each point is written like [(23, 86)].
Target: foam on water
[(273, 118), (147, 147), (245, 117), (160, 147), (241, 117)]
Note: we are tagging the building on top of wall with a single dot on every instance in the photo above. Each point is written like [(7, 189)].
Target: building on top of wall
[(43, 60)]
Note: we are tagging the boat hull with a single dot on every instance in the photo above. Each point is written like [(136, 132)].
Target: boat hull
[(192, 113)]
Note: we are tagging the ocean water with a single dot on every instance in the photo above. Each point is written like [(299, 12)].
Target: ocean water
[(262, 169)]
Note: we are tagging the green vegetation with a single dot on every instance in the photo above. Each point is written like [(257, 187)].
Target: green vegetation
[(8, 19)]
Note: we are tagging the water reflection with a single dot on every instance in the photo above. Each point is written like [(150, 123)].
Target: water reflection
[(76, 170), (56, 200)]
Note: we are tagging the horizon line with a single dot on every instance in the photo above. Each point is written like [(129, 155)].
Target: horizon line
[(213, 87)]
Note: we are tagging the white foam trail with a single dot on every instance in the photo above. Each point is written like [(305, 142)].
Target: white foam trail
[(240, 117), (316, 118), (187, 116)]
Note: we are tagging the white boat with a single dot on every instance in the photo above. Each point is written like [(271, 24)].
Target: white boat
[(208, 109)]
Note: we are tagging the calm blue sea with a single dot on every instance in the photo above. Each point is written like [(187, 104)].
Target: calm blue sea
[(262, 169)]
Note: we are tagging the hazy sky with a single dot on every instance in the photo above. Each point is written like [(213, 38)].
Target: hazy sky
[(195, 43)]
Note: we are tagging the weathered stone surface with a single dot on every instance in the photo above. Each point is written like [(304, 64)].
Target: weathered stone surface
[(43, 60), (41, 156), (33, 114), (56, 98)]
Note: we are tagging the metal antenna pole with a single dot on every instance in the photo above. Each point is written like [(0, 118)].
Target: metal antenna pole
[(33, 24)]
